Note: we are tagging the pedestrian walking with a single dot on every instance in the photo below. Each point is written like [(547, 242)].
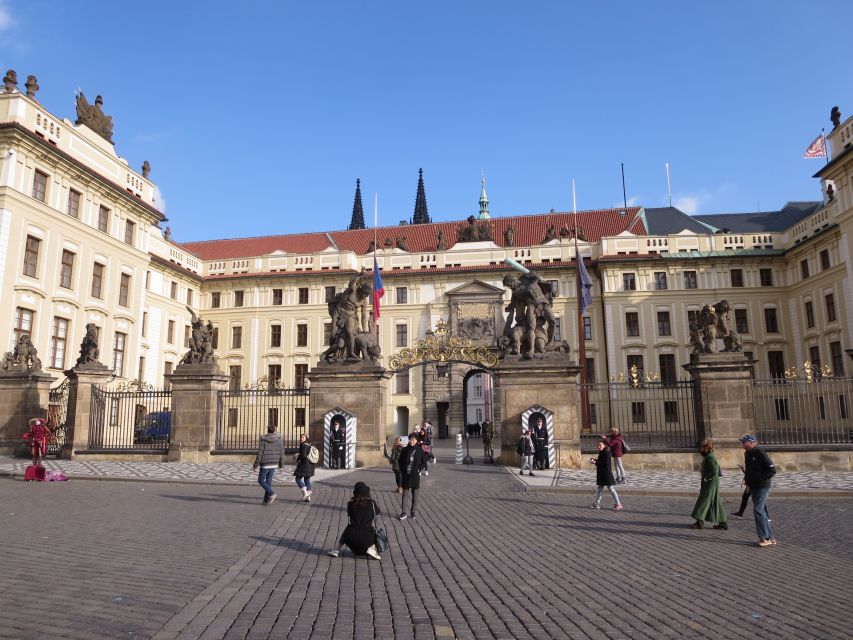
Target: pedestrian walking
[(617, 449), (425, 443), (758, 473), (744, 499), (412, 458), (269, 458), (604, 477), (337, 445), (488, 436), (394, 459), (540, 439), (360, 534), (526, 449), (709, 505), (304, 468)]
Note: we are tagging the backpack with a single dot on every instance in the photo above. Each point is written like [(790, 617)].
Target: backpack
[(313, 455)]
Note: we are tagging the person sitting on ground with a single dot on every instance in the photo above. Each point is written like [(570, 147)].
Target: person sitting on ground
[(359, 535)]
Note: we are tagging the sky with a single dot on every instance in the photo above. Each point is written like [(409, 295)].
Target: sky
[(257, 117)]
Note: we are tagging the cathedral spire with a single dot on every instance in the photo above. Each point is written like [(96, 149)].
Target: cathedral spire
[(357, 221), (484, 202), (421, 214)]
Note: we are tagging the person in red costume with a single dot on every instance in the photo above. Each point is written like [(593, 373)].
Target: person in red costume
[(38, 436)]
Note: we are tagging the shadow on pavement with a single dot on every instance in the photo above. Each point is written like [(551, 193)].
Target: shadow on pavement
[(292, 543)]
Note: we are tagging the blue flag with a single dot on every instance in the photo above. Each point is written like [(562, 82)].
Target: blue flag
[(586, 285)]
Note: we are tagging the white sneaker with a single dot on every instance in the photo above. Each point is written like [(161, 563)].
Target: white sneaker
[(373, 553), (308, 493), (426, 472), (334, 553)]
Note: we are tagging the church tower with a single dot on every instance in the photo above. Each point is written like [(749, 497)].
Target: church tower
[(421, 214), (357, 221), (484, 202)]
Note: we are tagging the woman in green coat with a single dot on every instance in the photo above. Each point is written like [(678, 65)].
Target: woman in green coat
[(709, 506)]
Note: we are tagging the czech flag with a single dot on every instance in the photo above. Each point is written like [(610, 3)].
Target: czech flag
[(378, 289)]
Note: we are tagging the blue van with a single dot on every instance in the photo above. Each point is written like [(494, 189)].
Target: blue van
[(154, 427)]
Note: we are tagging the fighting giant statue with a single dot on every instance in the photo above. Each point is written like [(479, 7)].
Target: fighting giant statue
[(353, 329)]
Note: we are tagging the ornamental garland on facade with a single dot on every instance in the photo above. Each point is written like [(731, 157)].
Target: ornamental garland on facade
[(442, 347)]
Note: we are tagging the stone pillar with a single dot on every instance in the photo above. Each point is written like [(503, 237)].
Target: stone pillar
[(549, 383), (195, 406), (23, 395), (81, 379), (361, 389), (723, 401)]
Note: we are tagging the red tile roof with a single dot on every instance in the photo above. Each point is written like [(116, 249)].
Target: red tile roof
[(529, 231)]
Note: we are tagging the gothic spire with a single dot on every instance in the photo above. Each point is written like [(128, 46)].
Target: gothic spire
[(357, 221), (421, 214), (484, 202)]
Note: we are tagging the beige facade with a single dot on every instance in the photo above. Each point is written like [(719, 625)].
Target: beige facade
[(80, 242)]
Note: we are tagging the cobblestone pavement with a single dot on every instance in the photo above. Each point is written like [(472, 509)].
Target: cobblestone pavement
[(484, 559)]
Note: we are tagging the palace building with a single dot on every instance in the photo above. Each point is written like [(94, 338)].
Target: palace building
[(82, 241)]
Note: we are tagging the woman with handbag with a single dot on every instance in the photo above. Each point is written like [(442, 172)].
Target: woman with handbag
[(359, 535)]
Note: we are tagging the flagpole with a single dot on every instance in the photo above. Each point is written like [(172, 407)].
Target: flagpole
[(825, 148), (581, 335), (668, 185), (375, 263)]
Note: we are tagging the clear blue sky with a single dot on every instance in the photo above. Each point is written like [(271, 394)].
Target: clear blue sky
[(257, 117)]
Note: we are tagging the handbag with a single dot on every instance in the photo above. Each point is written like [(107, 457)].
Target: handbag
[(381, 537), (625, 447)]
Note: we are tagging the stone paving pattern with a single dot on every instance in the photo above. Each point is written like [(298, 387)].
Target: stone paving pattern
[(484, 559)]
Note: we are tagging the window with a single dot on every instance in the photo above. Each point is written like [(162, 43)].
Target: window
[(235, 376), (170, 332), (824, 259), (629, 282), (140, 373), (73, 203), (660, 280), (670, 411), (275, 335), (129, 228), (273, 375), (830, 307), (590, 370), (814, 357), (837, 358), (737, 277), (299, 417), (66, 269), (327, 333), (587, 328), (637, 361), (330, 293), (402, 295), (118, 353), (776, 363), (147, 280), (144, 324), (638, 412), (303, 295), (766, 277), (782, 412), (272, 416), (693, 317), (238, 298), (23, 323), (664, 325), (58, 339), (402, 335), (804, 268), (173, 290), (771, 324), (277, 297), (189, 296), (842, 407), (300, 371), (302, 335), (632, 323), (124, 290), (233, 413), (555, 287), (401, 382), (31, 256), (809, 315), (668, 372), (214, 338), (103, 218), (215, 300), (741, 321), (97, 280), (236, 337), (167, 371), (39, 185), (187, 333), (593, 413), (690, 281), (558, 329)]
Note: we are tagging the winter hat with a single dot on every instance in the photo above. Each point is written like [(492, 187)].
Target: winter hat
[(748, 438)]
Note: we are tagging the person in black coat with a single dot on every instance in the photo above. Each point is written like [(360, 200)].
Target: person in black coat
[(412, 458), (337, 445), (304, 468), (604, 477), (540, 440), (359, 535)]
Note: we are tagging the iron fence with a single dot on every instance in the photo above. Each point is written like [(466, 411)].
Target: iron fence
[(803, 412), (244, 414), (650, 415), (130, 419), (57, 416)]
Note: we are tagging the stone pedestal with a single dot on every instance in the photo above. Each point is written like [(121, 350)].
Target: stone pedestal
[(360, 389), (549, 383), (23, 395), (81, 379), (722, 397), (195, 389)]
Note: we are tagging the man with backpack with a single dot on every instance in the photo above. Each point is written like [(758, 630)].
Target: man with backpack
[(758, 472)]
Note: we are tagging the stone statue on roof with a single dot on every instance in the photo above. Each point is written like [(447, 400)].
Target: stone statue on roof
[(835, 116), (550, 233), (146, 169), (10, 81), (509, 236), (401, 243), (94, 117), (475, 231), (32, 86), (440, 244)]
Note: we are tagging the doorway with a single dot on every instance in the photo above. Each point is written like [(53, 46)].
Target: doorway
[(443, 409), (402, 428), (477, 400)]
